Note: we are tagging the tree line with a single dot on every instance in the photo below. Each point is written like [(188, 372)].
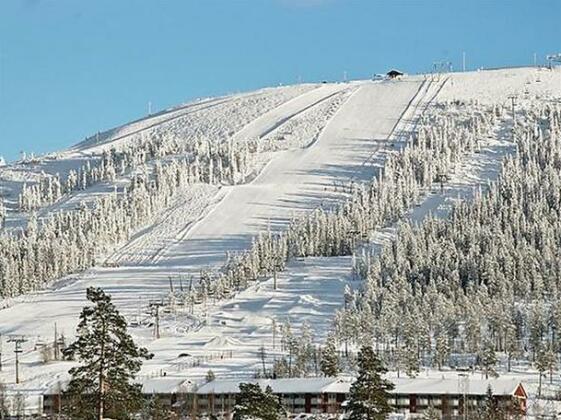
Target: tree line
[(485, 280)]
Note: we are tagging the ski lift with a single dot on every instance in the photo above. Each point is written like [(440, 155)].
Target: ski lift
[(554, 58), (39, 344)]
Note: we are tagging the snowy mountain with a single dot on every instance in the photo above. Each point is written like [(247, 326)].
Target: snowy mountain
[(252, 217)]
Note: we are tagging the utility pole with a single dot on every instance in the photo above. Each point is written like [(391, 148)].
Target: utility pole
[(17, 340), (512, 97), (464, 61), (274, 333), (463, 386), (347, 300), (275, 277), (55, 344), (535, 60), (155, 306), (149, 107)]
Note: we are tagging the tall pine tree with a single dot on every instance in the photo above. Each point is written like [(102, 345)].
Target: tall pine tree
[(369, 394), (254, 403), (329, 362), (109, 361)]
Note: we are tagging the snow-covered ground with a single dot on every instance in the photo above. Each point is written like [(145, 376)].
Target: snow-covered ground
[(216, 119), (204, 223), (293, 181), (496, 86)]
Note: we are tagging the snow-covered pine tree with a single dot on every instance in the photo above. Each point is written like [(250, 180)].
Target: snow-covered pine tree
[(369, 394), (410, 360), (155, 409), (431, 413), (4, 413), (254, 403), (546, 361), (488, 359), (2, 212), (490, 408), (329, 363), (441, 350)]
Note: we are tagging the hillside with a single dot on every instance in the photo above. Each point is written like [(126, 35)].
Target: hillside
[(175, 200)]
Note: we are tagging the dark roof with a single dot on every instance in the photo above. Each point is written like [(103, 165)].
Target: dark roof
[(394, 72)]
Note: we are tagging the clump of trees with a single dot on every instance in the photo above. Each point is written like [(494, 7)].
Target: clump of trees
[(486, 280)]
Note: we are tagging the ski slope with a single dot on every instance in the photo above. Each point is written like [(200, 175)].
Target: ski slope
[(297, 180)]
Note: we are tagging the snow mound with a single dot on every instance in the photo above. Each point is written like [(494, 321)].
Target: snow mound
[(310, 300), (220, 342), (253, 319)]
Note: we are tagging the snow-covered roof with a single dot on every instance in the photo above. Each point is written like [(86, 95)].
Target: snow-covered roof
[(280, 386), (341, 385), (447, 385), (156, 385), (162, 385), (405, 386)]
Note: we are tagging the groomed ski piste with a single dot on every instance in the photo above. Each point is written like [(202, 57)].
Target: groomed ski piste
[(321, 139)]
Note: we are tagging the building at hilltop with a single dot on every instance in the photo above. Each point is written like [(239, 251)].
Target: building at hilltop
[(394, 74)]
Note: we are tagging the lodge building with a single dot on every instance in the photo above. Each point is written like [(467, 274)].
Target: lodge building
[(452, 396)]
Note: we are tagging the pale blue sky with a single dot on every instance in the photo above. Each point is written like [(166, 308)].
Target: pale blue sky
[(69, 68)]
